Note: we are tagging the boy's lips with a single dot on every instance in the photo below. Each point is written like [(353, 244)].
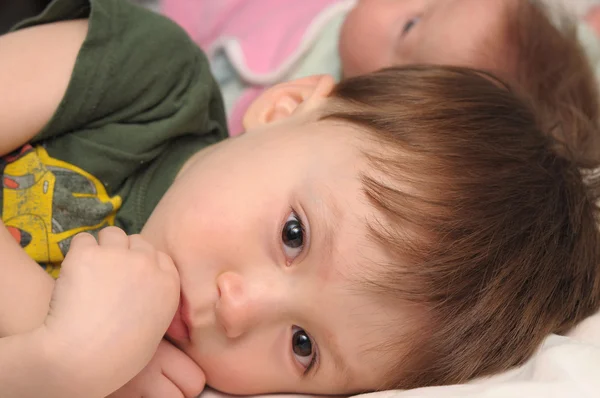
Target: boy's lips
[(179, 329)]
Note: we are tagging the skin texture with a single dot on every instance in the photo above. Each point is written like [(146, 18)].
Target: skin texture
[(402, 32), (245, 290), (593, 19)]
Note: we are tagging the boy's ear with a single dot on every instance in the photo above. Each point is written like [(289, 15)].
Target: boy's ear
[(285, 99)]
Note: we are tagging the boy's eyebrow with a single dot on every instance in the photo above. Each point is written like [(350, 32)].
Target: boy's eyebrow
[(329, 213), (327, 220)]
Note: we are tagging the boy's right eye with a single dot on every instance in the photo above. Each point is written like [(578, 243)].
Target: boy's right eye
[(410, 24), (293, 236)]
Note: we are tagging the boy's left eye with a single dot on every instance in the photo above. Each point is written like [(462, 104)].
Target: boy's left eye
[(304, 349), (292, 236)]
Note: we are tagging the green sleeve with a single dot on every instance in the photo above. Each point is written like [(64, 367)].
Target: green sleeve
[(141, 100)]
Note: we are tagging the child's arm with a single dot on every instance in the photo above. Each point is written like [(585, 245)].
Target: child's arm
[(25, 289), (27, 368), (35, 68), (99, 332)]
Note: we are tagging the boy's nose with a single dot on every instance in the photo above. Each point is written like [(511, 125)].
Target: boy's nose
[(242, 303)]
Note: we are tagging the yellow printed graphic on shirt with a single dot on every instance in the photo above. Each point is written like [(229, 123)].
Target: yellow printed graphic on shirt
[(45, 202)]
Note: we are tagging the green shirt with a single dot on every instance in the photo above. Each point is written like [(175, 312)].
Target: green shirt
[(141, 101)]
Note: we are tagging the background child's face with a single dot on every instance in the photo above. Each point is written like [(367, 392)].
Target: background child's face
[(382, 33), (262, 301)]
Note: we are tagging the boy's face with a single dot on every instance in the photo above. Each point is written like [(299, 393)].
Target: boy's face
[(382, 33), (268, 231)]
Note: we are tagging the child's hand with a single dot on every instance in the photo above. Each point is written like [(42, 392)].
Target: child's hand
[(170, 374), (111, 305)]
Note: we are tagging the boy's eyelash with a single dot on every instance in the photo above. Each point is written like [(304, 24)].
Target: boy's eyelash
[(311, 366), (299, 219)]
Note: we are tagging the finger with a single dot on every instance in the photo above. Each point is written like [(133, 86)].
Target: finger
[(113, 236), (166, 263), (81, 243), (162, 387), (83, 239), (181, 370)]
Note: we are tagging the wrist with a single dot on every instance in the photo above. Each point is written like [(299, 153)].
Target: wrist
[(55, 363), (28, 367), (74, 367), (64, 370)]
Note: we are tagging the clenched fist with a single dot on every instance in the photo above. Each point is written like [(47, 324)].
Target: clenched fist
[(110, 308)]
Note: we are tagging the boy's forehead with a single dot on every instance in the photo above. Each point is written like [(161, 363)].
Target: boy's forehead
[(476, 19), (471, 8), (328, 137), (462, 32)]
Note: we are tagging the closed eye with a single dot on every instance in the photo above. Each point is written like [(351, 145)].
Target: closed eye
[(410, 24)]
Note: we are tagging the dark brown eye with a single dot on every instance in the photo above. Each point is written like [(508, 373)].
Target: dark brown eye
[(293, 237), (292, 234), (301, 344), (304, 349)]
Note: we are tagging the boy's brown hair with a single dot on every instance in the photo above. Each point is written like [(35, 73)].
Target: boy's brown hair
[(542, 53), (485, 211)]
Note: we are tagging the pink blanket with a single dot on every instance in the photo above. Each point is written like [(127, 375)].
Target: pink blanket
[(263, 39)]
